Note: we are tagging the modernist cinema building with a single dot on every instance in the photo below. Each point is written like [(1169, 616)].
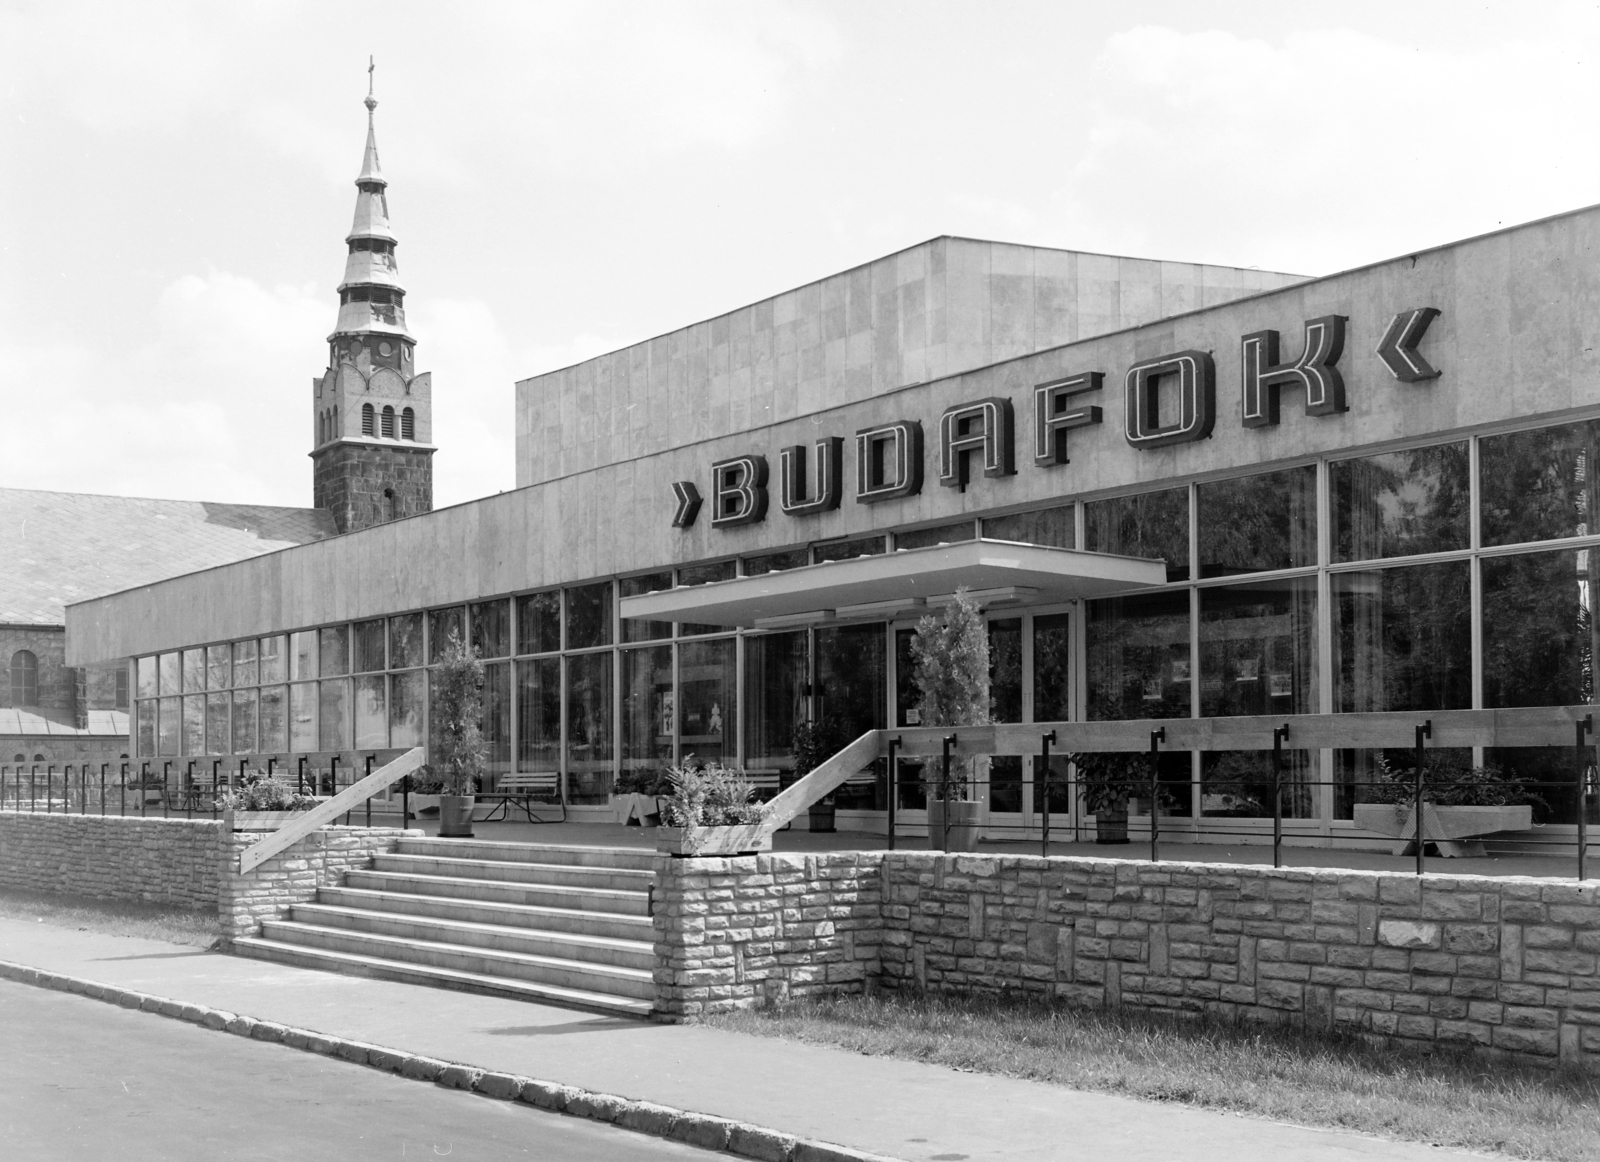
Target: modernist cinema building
[(1178, 491)]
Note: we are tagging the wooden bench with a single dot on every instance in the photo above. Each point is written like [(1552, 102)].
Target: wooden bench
[(524, 789)]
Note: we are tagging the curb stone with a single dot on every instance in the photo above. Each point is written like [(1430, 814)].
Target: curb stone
[(706, 1131)]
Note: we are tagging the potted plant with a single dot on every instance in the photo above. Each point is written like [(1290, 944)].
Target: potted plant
[(950, 667), (1463, 800), (422, 791), (458, 735), (814, 744), (263, 802), (1106, 781), (711, 811)]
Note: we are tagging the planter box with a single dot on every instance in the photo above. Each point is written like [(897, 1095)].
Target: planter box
[(740, 840), (1445, 827), (263, 820)]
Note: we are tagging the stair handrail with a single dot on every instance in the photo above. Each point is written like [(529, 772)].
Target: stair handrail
[(351, 797), (823, 779)]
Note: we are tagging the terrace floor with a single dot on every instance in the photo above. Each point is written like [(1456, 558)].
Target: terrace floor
[(617, 835)]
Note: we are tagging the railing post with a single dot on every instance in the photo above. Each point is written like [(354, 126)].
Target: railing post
[(216, 786), (1425, 730), (370, 757), (49, 787), (1585, 726), (189, 791), (1280, 735), (272, 763), (1042, 781), (144, 777), (944, 789), (166, 795), (122, 792), (1157, 737), (333, 773), (300, 777), (894, 784), (33, 787)]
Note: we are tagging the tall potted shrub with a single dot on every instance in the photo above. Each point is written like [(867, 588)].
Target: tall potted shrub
[(458, 740), (1106, 780), (950, 665), (814, 744)]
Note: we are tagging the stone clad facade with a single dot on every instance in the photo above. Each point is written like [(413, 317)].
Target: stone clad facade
[(1509, 966)]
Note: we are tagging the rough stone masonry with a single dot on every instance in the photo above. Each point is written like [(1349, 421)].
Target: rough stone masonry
[(1504, 966)]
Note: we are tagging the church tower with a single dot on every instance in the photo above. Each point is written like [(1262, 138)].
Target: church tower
[(372, 412)]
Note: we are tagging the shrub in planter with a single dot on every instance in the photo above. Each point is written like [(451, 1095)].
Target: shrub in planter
[(711, 811), (950, 666), (1448, 783), (263, 801), (1106, 781), (458, 741)]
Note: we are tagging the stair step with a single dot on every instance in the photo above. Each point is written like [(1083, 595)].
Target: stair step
[(504, 891), (381, 968), (499, 937), (613, 924), (579, 855), (525, 871), (598, 978)]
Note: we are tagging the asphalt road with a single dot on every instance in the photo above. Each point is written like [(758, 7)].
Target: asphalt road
[(83, 1080)]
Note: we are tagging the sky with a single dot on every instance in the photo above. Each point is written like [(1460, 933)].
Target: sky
[(176, 181)]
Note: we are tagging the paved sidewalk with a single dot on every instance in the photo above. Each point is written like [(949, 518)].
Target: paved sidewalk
[(920, 1113)]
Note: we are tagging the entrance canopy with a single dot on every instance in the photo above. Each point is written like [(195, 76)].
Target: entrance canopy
[(998, 572)]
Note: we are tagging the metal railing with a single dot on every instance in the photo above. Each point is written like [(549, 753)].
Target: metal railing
[(171, 788)]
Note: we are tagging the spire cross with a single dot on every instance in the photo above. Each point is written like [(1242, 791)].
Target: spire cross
[(371, 101)]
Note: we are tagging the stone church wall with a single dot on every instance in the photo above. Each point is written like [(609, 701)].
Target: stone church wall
[(350, 481)]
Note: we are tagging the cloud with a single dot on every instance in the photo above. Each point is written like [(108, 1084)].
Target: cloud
[(1333, 135)]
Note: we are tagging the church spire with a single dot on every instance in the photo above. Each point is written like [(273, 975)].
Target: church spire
[(372, 411)]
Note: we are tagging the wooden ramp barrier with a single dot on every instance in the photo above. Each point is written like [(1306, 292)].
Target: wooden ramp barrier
[(346, 800)]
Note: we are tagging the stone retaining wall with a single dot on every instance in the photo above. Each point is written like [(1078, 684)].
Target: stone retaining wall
[(294, 875), (1507, 966), (184, 863), (177, 862)]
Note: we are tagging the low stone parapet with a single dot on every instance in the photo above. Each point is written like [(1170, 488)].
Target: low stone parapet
[(176, 862), (1507, 966)]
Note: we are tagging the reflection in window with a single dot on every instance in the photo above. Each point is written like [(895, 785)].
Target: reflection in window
[(303, 716), (1005, 789), (442, 623), (1258, 648), (405, 641), (647, 708), (219, 667), (497, 716), (367, 638), (372, 713), (274, 659), (274, 718), (1052, 668), (1137, 656), (539, 622), (302, 655), (1151, 524), (952, 534), (1054, 527), (774, 562), (1402, 638), (1400, 503), (589, 727), (708, 719), (636, 629), (852, 696), (147, 678), (705, 574), (907, 694), (539, 715), (774, 685), (244, 718), (333, 650), (1539, 485), (1538, 628), (407, 693), (194, 724), (491, 628), (217, 719), (1239, 784), (1253, 523), (171, 672), (171, 726), (589, 616), (333, 714), (847, 550), (194, 670), (147, 726), (1005, 673)]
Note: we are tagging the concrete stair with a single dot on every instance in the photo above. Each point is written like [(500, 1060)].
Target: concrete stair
[(558, 924)]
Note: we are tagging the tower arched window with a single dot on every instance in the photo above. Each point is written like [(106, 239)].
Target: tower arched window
[(408, 424), (388, 422), (24, 679), (367, 428)]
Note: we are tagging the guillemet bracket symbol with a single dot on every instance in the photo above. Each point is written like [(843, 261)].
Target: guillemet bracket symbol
[(1398, 348), (688, 503)]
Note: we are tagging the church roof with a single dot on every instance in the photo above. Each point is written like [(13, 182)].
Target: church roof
[(61, 547)]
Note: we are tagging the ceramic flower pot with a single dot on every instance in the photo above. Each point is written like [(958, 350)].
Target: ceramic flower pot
[(961, 834), (455, 816)]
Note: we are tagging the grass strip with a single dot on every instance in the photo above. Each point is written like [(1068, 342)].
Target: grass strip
[(112, 917), (1440, 1097)]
